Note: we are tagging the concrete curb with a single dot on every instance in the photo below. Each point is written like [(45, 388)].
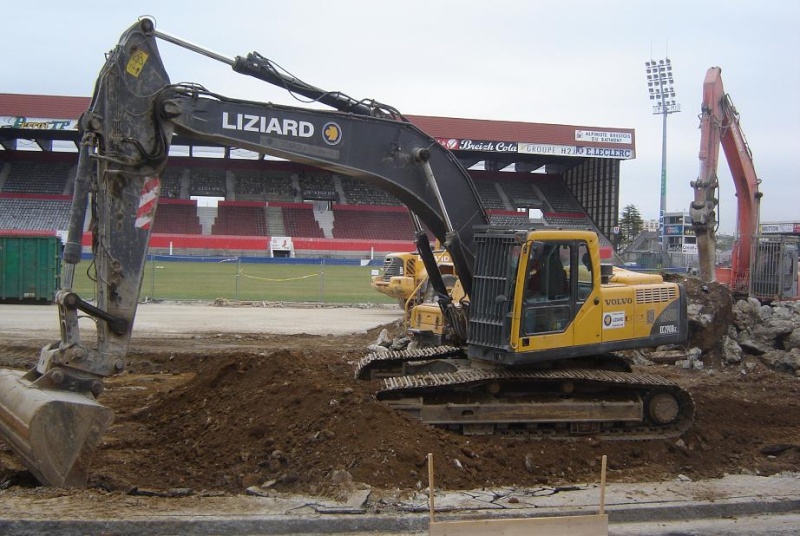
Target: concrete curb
[(212, 525), (312, 523)]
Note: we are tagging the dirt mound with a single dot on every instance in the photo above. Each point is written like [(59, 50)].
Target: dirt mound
[(298, 421), (288, 416)]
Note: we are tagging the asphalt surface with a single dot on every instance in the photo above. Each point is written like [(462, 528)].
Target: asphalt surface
[(171, 318)]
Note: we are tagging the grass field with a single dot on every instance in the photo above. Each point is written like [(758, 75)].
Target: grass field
[(250, 282)]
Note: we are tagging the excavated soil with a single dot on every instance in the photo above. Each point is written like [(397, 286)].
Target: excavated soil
[(220, 413)]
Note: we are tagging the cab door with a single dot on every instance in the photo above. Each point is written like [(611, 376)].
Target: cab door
[(548, 303)]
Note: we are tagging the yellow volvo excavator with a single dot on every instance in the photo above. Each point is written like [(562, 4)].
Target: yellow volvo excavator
[(524, 347)]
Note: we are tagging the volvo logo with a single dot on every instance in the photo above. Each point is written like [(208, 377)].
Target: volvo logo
[(331, 133)]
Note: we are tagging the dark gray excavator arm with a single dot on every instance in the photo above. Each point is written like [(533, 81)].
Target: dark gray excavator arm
[(50, 416), (390, 154), (135, 112)]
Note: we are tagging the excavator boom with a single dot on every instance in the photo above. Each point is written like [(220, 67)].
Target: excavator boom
[(50, 416), (720, 127)]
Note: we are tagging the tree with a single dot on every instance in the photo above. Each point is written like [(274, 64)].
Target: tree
[(724, 242), (630, 225)]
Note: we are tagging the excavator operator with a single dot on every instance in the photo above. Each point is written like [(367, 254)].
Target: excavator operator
[(547, 279)]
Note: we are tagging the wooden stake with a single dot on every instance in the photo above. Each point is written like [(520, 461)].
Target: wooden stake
[(430, 485), (603, 484)]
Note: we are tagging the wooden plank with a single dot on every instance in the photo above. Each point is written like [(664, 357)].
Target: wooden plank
[(667, 356), (603, 464), (593, 525), (430, 486)]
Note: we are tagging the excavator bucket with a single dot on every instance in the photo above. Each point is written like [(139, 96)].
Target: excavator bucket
[(54, 432)]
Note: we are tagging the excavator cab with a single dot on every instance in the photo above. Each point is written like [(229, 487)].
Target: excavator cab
[(549, 300)]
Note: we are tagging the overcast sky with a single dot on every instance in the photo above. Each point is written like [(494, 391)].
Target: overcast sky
[(577, 62)]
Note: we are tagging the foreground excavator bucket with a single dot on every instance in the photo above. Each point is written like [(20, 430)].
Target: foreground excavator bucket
[(54, 432), (49, 416)]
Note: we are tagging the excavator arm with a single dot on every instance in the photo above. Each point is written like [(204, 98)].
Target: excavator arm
[(50, 415), (719, 126), (394, 155)]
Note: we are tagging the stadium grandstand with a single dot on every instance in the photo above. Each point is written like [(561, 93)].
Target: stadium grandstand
[(526, 173)]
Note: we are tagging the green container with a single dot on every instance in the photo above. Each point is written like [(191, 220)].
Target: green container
[(30, 268)]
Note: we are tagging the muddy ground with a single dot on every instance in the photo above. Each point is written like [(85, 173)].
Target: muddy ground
[(217, 413)]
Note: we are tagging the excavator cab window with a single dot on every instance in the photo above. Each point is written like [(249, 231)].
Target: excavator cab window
[(547, 277), (552, 275), (585, 273)]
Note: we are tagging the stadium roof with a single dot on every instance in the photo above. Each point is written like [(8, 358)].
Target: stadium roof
[(44, 118), (42, 106)]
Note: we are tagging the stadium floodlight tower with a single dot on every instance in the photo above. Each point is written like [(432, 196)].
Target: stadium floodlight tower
[(660, 85)]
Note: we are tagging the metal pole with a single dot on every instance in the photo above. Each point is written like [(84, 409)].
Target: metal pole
[(194, 48), (422, 156), (660, 83), (663, 209), (322, 281)]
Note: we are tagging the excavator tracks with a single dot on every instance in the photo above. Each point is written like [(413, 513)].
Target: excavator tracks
[(391, 363), (482, 399)]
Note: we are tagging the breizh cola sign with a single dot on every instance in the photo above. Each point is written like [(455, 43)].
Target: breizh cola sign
[(455, 144)]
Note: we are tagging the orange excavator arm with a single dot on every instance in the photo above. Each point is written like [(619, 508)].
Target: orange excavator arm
[(720, 127)]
